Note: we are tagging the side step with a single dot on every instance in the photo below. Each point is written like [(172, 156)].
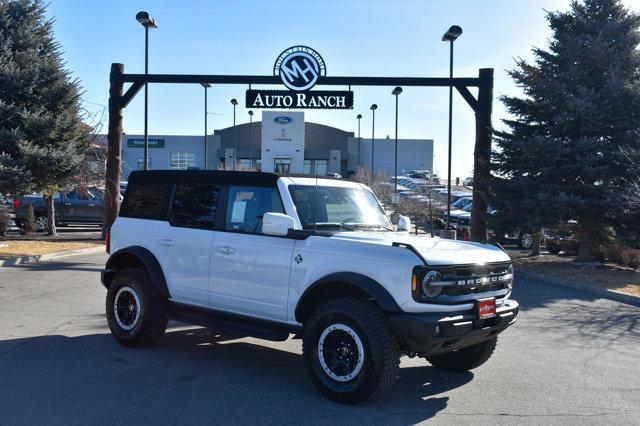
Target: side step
[(231, 323)]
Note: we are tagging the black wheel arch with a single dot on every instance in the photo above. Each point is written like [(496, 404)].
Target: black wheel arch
[(136, 256), (343, 284)]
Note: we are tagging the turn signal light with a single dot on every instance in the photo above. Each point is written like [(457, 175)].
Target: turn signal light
[(107, 240)]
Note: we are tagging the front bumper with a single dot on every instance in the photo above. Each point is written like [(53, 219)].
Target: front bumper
[(433, 333)]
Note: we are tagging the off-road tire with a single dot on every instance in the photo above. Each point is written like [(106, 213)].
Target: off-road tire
[(465, 359), (152, 320), (381, 358)]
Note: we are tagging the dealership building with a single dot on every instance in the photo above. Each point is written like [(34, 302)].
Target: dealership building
[(282, 142)]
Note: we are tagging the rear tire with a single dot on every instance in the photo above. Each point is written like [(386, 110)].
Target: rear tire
[(525, 240), (136, 312), (553, 249), (350, 350), (465, 359), (41, 223)]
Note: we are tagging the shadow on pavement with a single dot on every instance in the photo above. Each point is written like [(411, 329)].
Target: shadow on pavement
[(190, 375), (598, 320)]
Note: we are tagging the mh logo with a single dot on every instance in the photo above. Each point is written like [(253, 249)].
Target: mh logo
[(299, 67)]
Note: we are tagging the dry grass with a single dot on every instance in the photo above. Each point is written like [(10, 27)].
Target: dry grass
[(608, 275), (18, 248)]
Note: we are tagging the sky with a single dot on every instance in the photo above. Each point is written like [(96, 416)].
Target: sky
[(355, 38)]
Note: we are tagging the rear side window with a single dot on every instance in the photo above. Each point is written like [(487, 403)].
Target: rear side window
[(194, 205), (246, 206), (144, 200)]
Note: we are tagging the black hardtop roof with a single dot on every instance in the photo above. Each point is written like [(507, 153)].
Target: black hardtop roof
[(222, 177)]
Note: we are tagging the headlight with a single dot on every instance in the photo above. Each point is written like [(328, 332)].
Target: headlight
[(510, 277), (429, 290)]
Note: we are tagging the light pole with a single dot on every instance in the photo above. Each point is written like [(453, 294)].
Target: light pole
[(206, 86), (250, 139), (396, 92), (373, 108), (451, 35), (358, 117), (234, 103), (147, 22)]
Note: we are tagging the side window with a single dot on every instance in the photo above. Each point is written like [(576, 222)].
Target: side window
[(144, 200), (246, 205), (194, 205)]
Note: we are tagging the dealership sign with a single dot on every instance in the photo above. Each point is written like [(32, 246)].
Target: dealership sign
[(139, 143), (317, 99), (299, 68)]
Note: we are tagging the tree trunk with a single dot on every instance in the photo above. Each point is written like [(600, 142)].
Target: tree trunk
[(587, 248), (537, 237), (51, 214)]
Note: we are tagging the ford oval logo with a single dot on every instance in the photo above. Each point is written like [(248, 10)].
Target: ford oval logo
[(282, 120)]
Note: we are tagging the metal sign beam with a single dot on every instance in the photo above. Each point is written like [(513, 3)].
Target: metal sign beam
[(275, 80)]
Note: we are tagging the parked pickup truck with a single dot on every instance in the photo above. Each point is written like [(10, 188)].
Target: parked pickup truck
[(71, 207)]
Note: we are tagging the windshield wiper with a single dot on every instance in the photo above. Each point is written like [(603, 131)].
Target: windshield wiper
[(369, 226)]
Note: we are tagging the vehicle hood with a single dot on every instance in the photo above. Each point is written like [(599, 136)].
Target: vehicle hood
[(436, 251)]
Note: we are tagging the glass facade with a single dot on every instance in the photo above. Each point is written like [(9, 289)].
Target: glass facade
[(182, 160)]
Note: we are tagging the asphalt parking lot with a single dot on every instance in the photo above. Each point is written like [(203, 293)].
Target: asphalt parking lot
[(571, 358)]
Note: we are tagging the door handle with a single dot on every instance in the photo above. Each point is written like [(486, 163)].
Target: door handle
[(92, 205), (67, 204), (226, 250), (167, 242)]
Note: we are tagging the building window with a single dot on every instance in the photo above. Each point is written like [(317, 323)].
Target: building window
[(307, 167), (246, 164), (282, 165), (320, 167), (141, 163), (183, 160)]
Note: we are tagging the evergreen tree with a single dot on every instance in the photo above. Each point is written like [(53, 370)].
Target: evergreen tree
[(42, 138), (573, 144)]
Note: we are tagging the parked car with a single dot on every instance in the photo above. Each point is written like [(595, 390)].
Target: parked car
[(468, 181), (563, 239), (275, 255), (75, 207)]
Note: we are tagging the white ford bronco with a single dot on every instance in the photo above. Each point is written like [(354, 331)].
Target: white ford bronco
[(272, 256)]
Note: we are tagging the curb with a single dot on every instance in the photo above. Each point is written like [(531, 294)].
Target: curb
[(607, 294), (50, 256)]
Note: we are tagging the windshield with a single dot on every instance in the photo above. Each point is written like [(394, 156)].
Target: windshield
[(338, 207)]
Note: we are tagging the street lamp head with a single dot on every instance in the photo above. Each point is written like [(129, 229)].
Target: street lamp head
[(234, 102), (146, 20), (374, 107), (205, 85), (396, 91), (452, 33), (359, 116), (251, 113)]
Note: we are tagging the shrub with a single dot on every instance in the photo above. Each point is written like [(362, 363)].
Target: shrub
[(29, 222), (634, 261), (617, 253), (4, 223)]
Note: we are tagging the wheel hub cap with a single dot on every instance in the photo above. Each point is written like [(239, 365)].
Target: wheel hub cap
[(341, 352), (126, 307)]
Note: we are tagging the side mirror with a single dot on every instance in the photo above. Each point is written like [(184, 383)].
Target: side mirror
[(277, 224), (404, 224)]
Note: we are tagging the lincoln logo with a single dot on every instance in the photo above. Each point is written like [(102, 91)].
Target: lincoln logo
[(299, 67)]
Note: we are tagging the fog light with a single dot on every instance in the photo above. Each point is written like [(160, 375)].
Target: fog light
[(429, 290)]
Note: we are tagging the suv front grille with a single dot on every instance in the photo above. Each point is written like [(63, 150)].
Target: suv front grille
[(459, 283)]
